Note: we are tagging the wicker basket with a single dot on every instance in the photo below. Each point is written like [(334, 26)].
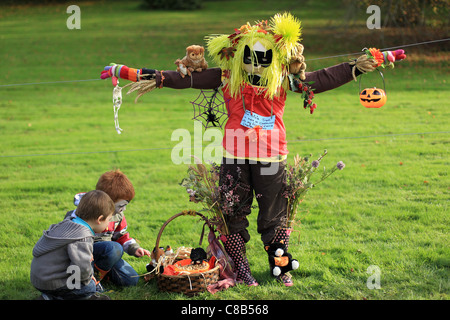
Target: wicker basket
[(188, 284)]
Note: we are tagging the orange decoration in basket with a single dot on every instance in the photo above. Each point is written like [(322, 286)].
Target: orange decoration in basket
[(181, 267)]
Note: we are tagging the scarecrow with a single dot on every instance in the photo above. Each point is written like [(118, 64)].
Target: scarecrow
[(257, 65)]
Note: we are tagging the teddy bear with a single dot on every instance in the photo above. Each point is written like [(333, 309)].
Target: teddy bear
[(279, 259), (193, 61), (297, 63)]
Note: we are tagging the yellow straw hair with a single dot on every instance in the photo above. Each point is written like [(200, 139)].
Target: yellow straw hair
[(290, 29), (281, 35)]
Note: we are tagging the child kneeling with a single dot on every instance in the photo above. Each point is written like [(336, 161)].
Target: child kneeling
[(62, 257)]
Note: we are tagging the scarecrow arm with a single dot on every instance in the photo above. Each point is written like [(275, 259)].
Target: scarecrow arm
[(335, 76), (329, 78), (207, 79)]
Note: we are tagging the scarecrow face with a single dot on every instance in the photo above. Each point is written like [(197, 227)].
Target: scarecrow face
[(255, 61)]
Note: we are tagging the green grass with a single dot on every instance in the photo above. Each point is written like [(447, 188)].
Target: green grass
[(388, 207)]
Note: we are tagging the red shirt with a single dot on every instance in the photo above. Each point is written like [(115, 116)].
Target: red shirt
[(237, 139)]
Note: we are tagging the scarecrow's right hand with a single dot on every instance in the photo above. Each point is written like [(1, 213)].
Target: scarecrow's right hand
[(111, 71)]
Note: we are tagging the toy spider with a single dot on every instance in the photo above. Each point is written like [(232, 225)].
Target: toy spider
[(211, 111)]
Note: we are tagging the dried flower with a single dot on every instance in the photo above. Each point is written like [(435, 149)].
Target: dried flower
[(218, 200), (315, 164), (298, 182)]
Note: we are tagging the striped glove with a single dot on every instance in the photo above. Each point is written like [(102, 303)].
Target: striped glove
[(386, 58), (115, 71)]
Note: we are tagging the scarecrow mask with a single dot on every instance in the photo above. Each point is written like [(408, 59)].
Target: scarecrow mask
[(255, 61)]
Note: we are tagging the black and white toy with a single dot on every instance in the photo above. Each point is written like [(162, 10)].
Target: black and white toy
[(279, 259), (198, 255)]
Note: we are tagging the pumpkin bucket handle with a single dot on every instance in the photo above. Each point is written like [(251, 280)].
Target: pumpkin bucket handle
[(382, 77)]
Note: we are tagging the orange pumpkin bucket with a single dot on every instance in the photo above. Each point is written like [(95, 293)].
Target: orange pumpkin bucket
[(373, 97)]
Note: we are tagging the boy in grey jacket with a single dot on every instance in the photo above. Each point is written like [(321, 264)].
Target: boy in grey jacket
[(61, 266)]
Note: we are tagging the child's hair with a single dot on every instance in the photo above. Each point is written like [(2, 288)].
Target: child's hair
[(94, 204), (116, 185)]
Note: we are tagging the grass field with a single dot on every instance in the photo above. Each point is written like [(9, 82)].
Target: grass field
[(388, 207)]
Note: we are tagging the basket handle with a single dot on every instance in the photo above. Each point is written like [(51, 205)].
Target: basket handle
[(182, 213)]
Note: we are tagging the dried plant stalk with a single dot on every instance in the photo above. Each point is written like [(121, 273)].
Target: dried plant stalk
[(142, 87)]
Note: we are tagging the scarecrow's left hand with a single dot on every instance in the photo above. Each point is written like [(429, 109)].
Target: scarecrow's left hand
[(393, 56), (385, 58)]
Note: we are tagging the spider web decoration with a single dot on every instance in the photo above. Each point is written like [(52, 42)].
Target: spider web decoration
[(210, 109)]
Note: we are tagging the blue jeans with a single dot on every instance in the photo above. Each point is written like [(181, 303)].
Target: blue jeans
[(108, 257), (64, 293)]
